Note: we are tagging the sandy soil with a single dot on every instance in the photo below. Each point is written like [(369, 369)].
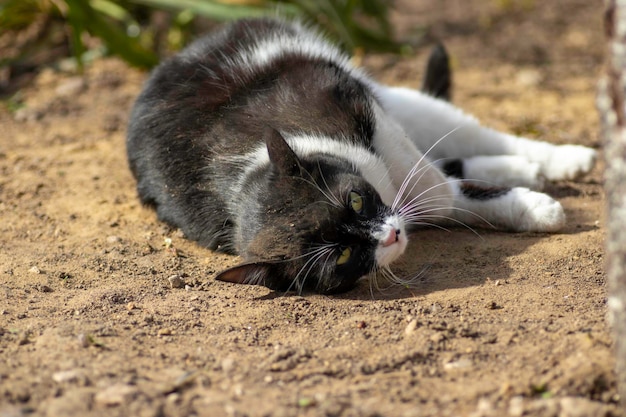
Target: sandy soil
[(498, 324)]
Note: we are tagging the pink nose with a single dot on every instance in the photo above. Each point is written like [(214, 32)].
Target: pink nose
[(392, 237)]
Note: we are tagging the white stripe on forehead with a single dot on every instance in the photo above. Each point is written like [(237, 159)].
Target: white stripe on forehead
[(370, 166)]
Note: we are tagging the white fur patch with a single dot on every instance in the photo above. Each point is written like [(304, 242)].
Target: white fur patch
[(387, 254), (371, 167), (503, 171)]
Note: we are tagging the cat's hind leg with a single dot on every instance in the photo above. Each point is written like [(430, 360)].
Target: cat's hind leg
[(443, 131), (495, 171)]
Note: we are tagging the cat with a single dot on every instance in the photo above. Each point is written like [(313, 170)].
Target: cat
[(262, 140)]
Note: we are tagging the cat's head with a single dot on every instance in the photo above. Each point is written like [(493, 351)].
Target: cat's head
[(318, 225)]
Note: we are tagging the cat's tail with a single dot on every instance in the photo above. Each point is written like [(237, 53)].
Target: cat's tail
[(438, 79)]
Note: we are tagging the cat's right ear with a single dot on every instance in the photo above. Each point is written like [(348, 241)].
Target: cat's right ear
[(281, 155)]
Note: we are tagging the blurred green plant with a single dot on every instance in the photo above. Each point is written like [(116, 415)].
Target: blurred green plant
[(135, 29)]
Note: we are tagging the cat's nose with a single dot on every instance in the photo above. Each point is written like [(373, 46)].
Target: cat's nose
[(392, 237)]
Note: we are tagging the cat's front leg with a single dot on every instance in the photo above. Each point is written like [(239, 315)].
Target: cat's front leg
[(516, 209)]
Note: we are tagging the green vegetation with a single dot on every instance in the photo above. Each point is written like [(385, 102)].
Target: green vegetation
[(140, 31)]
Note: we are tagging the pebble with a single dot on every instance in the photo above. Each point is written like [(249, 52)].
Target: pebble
[(71, 87), (113, 239), (83, 340), (460, 364), (115, 395), (410, 328), (176, 281), (34, 270), (438, 338), (228, 364), (165, 332), (436, 308), (72, 376), (26, 114)]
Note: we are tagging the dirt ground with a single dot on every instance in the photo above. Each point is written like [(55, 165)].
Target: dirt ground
[(92, 322)]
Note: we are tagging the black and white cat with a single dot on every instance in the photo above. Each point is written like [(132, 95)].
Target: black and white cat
[(262, 140)]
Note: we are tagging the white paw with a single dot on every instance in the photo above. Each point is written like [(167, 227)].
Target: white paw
[(504, 171), (568, 162), (535, 212)]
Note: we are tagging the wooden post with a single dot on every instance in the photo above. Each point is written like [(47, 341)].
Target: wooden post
[(613, 115)]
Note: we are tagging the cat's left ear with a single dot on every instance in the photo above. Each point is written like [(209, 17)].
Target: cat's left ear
[(280, 153), (255, 273)]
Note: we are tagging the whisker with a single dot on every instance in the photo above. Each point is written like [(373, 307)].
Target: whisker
[(411, 173), (403, 194), (309, 263), (335, 198)]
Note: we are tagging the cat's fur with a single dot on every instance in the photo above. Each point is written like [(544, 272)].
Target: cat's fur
[(262, 140)]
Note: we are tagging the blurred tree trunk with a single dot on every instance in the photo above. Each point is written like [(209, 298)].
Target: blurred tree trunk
[(611, 106)]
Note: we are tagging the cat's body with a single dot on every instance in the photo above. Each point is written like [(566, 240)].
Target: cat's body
[(262, 140)]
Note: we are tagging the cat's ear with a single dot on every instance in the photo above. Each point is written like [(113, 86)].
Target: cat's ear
[(281, 155), (255, 273)]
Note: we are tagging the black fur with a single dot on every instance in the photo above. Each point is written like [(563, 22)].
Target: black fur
[(478, 192), (453, 168)]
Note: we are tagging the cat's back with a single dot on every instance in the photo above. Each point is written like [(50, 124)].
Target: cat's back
[(254, 73)]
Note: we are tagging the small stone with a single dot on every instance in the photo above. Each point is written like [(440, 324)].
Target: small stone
[(26, 114), (71, 87), (113, 239), (410, 328), (581, 407), (456, 365), (83, 340), (228, 364), (493, 306), (165, 332), (34, 270), (438, 338), (176, 281), (116, 395), (516, 406), (72, 376), (436, 308)]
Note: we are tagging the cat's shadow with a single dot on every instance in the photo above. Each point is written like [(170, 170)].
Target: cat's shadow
[(438, 260)]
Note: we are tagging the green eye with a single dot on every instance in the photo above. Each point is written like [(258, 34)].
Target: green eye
[(356, 201), (344, 257)]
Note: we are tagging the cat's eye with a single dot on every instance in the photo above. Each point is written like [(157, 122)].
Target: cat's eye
[(356, 202), (344, 257)]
